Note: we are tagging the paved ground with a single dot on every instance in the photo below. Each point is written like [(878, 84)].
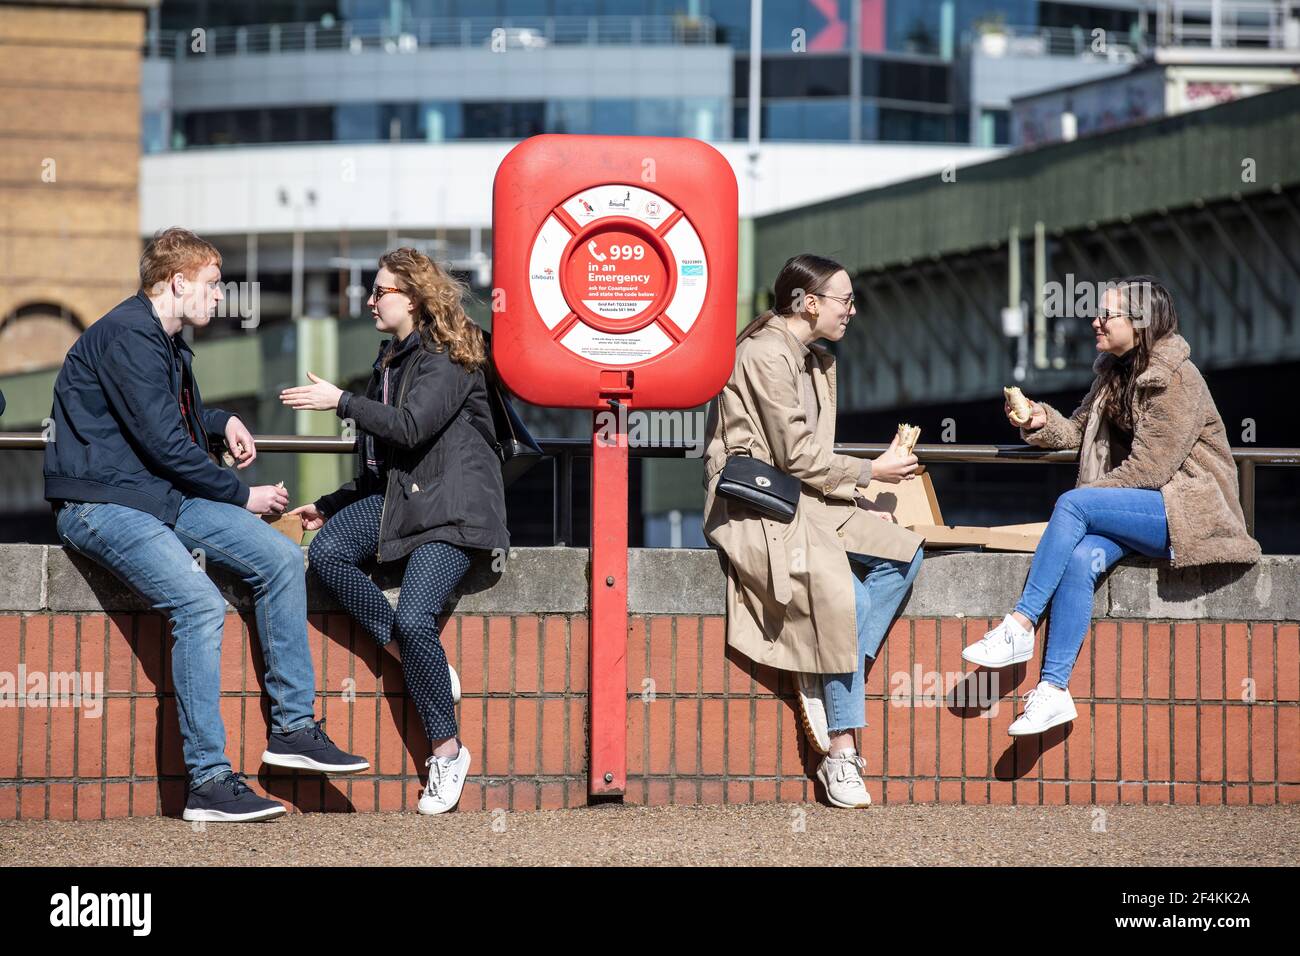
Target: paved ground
[(804, 834)]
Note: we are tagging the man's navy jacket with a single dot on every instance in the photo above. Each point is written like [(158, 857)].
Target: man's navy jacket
[(129, 425)]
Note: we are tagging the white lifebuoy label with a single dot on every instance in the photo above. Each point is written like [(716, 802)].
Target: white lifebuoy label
[(617, 275)]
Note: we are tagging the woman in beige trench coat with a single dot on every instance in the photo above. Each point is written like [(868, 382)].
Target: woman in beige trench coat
[(794, 602)]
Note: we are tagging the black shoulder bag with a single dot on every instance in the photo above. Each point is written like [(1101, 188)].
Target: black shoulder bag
[(770, 492)]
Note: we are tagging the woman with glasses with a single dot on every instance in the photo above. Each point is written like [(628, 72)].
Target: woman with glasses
[(1156, 477), (795, 601), (428, 489)]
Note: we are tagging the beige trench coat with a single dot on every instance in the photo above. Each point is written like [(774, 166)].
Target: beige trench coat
[(790, 594)]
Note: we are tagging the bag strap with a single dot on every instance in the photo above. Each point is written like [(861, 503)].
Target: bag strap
[(495, 445)]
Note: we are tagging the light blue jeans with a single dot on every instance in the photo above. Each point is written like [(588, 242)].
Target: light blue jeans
[(1090, 530), (158, 564), (878, 595)]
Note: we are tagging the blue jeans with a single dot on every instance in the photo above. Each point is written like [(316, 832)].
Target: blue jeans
[(1090, 530), (878, 595), (158, 564)]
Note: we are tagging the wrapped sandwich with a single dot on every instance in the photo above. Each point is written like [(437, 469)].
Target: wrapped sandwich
[(907, 438), (1021, 410)]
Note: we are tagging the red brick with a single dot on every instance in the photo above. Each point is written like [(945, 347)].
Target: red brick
[(1105, 653), (1209, 796), (1078, 794), (1132, 663), (390, 753), (158, 737), (1185, 793), (35, 752), (579, 648), (1185, 745), (713, 655), (63, 644), (950, 742), (551, 796), (577, 736), (1262, 648), (1001, 792), (415, 742), (1052, 759), (255, 715), (116, 800), (925, 758), (144, 799), (523, 795), (1288, 745), (950, 791), (739, 728), (1159, 661), (1211, 743), (552, 756), (1131, 746), (338, 652), (1053, 794), (470, 669), (790, 730), (10, 634), (685, 732), (1211, 639), (1081, 677), (233, 655), (1159, 768), (62, 739), (685, 793), (1237, 736), (120, 656), (976, 759), (636, 651), (1288, 662), (316, 641), (9, 740), (1026, 792), (526, 735), (711, 792), (1238, 796), (792, 791), (254, 663), (1185, 648), (31, 802), (1237, 653), (60, 801), (1263, 796), (497, 759), (766, 715), (1107, 794), (660, 646), (117, 725), (148, 647), (555, 656), (712, 737), (1078, 744), (687, 670), (1290, 794), (499, 663), (738, 792), (391, 793), (1261, 745), (637, 745), (1106, 741), (89, 802), (898, 758), (527, 655), (764, 791)]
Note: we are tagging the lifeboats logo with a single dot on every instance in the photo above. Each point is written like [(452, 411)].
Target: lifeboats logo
[(74, 909)]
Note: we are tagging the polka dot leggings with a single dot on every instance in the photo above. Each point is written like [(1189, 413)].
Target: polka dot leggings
[(432, 573)]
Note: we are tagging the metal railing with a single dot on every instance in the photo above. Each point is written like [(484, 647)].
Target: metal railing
[(1023, 41), (410, 35), (564, 451)]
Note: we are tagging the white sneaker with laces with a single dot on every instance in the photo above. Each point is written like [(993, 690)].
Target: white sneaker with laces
[(841, 775), (812, 706), (1006, 644), (446, 781), (1046, 706), (455, 684)]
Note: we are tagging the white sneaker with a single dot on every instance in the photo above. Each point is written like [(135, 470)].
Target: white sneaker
[(1046, 706), (446, 781), (455, 684), (841, 775), (1006, 644), (812, 705)]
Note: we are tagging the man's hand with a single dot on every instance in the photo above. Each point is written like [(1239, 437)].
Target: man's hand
[(320, 396), (311, 518), (893, 466), (240, 442), (267, 499)]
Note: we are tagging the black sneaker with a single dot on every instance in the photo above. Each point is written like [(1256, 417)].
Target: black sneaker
[(228, 799), (310, 749)]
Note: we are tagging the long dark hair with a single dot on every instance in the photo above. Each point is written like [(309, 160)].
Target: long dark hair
[(801, 276), (1151, 309)]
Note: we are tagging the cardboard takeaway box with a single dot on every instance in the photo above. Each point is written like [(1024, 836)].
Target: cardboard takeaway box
[(914, 505)]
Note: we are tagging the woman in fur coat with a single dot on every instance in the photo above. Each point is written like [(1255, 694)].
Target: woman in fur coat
[(1156, 477)]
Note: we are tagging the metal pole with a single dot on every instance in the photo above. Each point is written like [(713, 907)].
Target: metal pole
[(755, 74)]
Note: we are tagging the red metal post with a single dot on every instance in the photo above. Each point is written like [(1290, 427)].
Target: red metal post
[(607, 771)]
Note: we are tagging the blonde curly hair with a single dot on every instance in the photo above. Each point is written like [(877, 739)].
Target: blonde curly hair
[(439, 312)]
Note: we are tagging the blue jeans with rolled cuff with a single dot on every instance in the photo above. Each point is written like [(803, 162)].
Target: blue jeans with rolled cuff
[(1090, 530), (878, 595)]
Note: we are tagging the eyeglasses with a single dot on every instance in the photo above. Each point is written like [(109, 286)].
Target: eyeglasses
[(378, 291), (1104, 317), (848, 300)]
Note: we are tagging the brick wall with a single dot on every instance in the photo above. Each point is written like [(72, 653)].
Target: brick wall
[(1166, 714)]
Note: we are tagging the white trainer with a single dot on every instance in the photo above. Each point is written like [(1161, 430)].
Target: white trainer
[(446, 781), (455, 684), (1006, 644), (841, 775), (1046, 706), (812, 706)]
